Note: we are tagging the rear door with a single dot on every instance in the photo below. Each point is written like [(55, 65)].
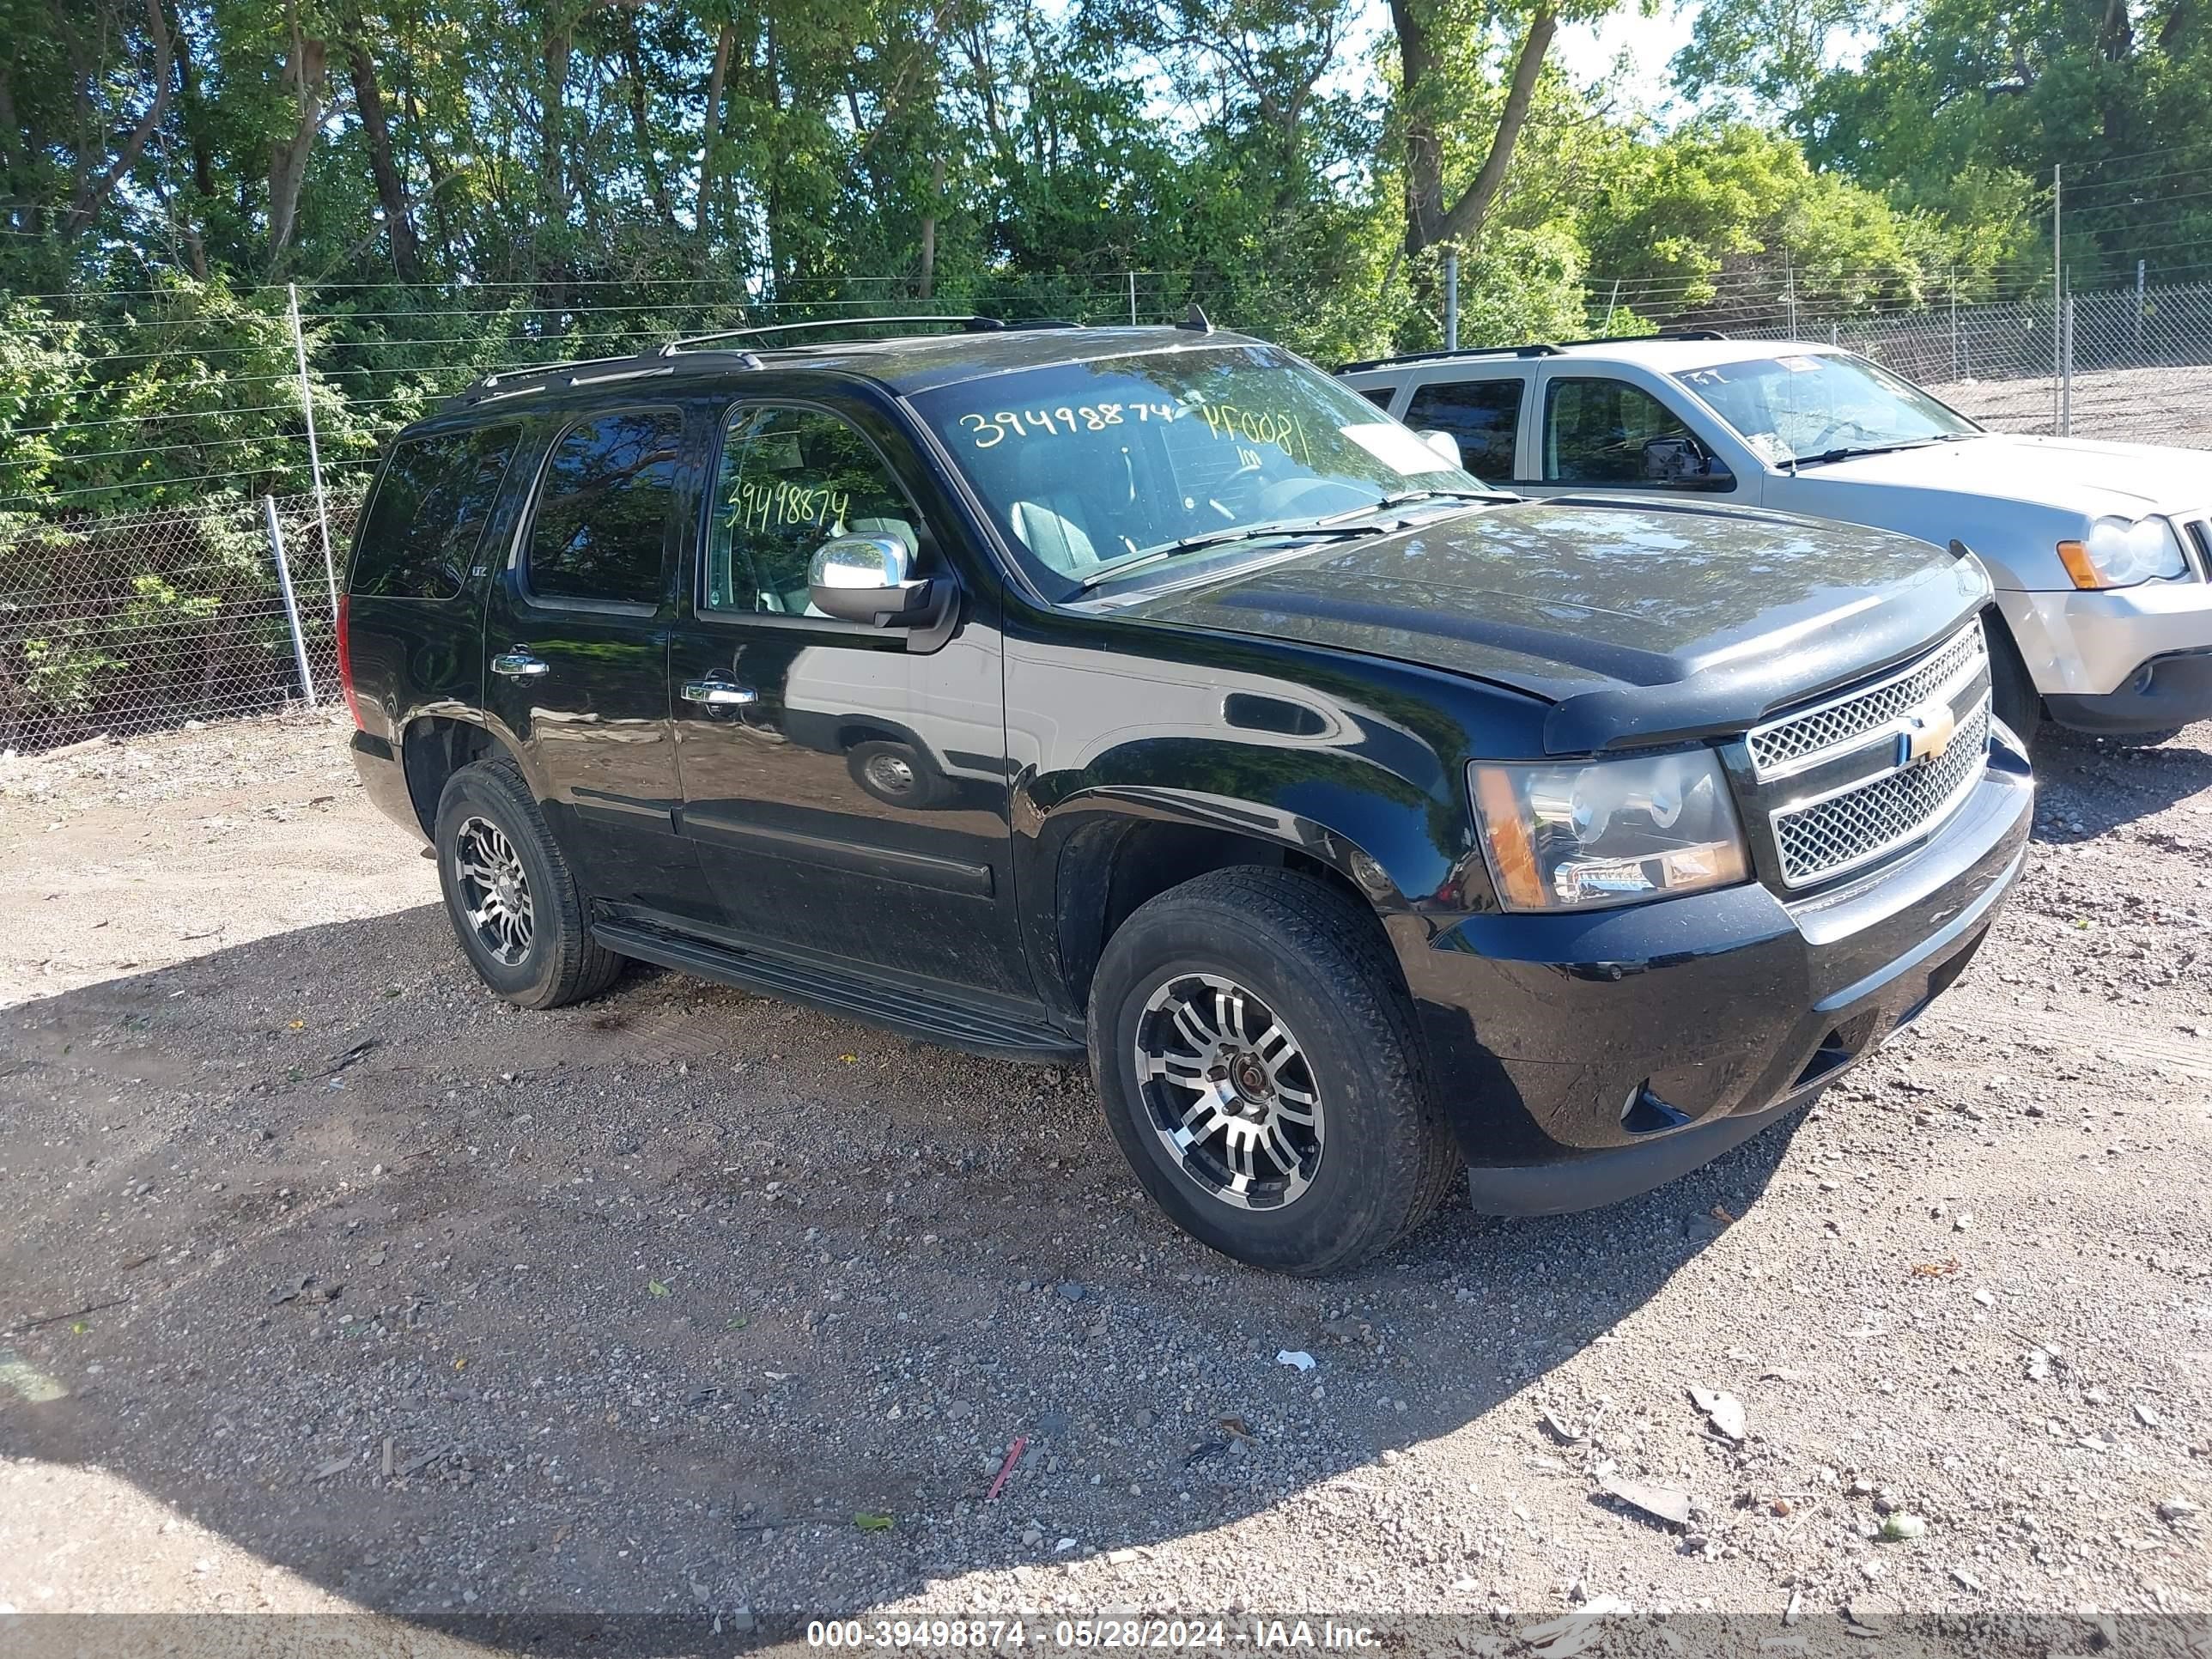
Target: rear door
[(1483, 412), (576, 648)]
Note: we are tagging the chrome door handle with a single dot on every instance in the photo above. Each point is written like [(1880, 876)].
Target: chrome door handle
[(718, 694), (517, 665)]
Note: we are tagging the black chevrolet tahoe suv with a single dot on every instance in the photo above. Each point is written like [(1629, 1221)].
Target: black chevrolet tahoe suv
[(1148, 695)]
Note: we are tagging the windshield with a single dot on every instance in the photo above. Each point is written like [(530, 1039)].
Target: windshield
[(1158, 457), (1793, 408)]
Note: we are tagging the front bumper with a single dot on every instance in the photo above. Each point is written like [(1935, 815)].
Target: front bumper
[(2124, 659), (1586, 1059), (2165, 692)]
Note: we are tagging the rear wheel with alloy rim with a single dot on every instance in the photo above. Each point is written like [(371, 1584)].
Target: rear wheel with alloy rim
[(514, 905), (1258, 1060)]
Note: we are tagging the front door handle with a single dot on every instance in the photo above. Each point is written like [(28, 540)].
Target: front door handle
[(718, 694), (518, 664)]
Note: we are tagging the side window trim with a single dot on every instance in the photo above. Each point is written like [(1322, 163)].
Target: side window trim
[(694, 585), (518, 556)]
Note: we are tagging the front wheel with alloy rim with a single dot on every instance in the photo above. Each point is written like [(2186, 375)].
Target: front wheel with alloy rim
[(1259, 1066), (513, 903)]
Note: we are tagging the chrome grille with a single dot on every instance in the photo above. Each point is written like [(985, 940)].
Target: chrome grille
[(1788, 743), (1825, 838)]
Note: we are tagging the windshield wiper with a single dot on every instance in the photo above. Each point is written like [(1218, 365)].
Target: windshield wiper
[(1249, 532), (1407, 497), (1848, 452), (1335, 527)]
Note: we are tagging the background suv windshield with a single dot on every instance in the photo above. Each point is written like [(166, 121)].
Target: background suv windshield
[(1805, 404), (1083, 464)]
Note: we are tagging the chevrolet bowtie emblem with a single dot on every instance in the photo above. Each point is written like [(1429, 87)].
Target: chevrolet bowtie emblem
[(1927, 733)]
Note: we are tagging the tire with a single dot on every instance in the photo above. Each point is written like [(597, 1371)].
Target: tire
[(1375, 1156), (2013, 696), (488, 820), (898, 774)]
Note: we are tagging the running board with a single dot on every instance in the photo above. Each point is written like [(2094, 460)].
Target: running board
[(990, 1032)]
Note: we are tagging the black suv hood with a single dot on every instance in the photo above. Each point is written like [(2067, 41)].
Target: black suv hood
[(1641, 624)]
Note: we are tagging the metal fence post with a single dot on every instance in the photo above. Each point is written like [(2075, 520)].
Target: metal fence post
[(2142, 270), (1955, 323), (314, 456), (2057, 297), (1451, 300), (1133, 299), (2066, 380), (284, 587)]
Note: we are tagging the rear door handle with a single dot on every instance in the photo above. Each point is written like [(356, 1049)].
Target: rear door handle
[(517, 665), (718, 693)]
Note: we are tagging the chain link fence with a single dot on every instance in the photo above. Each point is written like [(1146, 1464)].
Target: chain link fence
[(120, 622), (2129, 363), (128, 623)]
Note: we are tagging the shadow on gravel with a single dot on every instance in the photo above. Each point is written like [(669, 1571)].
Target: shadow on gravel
[(2089, 785), (686, 1300)]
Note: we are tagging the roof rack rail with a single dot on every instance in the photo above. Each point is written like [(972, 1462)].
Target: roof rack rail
[(1533, 348), (1663, 334), (657, 359), (1536, 349)]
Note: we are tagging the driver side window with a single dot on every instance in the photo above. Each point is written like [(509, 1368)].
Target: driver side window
[(1598, 432), (788, 481)]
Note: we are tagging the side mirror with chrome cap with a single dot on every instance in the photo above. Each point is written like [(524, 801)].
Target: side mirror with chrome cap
[(868, 579)]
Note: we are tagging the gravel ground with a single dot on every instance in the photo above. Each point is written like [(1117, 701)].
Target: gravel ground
[(331, 1281), (2136, 405)]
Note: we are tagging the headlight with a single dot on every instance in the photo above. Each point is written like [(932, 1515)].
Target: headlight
[(1587, 834), (2120, 554)]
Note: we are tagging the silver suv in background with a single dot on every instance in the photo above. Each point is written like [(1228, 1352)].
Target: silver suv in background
[(2100, 552)]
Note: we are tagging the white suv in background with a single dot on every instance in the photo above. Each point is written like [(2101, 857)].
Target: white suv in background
[(2100, 552)]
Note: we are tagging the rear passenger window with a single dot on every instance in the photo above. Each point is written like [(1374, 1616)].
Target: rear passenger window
[(1380, 396), (1482, 415), (600, 533), (431, 503)]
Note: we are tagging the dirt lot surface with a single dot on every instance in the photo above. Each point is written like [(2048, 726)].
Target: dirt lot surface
[(2165, 405), (327, 1280)]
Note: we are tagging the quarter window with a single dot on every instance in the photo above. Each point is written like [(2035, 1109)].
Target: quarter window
[(790, 480), (428, 513), (601, 531), (1596, 431), (1482, 415)]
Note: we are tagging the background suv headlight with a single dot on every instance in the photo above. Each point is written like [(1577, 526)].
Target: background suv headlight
[(1581, 834), (2120, 552)]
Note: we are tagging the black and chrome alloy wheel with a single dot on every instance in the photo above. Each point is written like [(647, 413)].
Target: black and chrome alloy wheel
[(1227, 1090), (495, 888)]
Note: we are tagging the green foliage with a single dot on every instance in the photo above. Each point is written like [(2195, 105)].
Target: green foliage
[(1964, 108)]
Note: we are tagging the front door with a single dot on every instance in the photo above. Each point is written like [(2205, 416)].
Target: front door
[(847, 794), (576, 651), (1599, 434)]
